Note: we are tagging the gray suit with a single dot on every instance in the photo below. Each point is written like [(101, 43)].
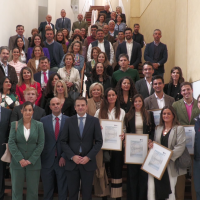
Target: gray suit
[(176, 142), (67, 24), (151, 102), (141, 87)]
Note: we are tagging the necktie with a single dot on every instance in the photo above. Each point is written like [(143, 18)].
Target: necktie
[(81, 127), (63, 22), (45, 77), (49, 24), (57, 128)]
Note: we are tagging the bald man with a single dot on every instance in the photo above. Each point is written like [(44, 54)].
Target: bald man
[(44, 24), (52, 157), (80, 23), (106, 11)]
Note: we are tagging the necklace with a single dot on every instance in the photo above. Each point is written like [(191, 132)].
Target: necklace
[(166, 131)]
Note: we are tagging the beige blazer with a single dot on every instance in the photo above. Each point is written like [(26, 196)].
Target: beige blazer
[(151, 102), (31, 64), (91, 107), (176, 142), (74, 77)]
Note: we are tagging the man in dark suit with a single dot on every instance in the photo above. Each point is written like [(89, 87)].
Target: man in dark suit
[(55, 50), (107, 36), (159, 99), (63, 22), (138, 37), (112, 30), (80, 23), (106, 11), (156, 53), (81, 140), (5, 68), (4, 132), (42, 77), (52, 157), (130, 47), (144, 86), (30, 94), (20, 31), (43, 25)]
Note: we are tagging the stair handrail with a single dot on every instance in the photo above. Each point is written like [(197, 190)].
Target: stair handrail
[(110, 5), (83, 9)]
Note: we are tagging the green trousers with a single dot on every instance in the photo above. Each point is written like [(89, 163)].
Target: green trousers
[(18, 176)]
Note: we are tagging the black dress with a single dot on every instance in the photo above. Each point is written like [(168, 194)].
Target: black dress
[(173, 91), (162, 187), (126, 106)]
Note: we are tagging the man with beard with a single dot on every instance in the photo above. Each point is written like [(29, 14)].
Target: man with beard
[(156, 53), (138, 37), (131, 48)]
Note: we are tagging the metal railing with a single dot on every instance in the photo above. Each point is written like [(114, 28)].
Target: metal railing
[(85, 7)]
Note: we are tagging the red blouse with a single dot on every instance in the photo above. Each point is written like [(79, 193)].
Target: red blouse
[(20, 92)]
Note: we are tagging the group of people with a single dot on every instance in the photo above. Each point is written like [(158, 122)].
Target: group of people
[(54, 132)]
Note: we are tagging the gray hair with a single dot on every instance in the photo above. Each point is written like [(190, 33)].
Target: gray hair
[(157, 30), (62, 10), (111, 21), (4, 47)]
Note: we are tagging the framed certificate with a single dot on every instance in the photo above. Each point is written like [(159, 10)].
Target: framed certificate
[(157, 160), (111, 131), (156, 115), (136, 148), (190, 136)]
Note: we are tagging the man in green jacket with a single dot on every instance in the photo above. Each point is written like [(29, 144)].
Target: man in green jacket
[(186, 110), (80, 23)]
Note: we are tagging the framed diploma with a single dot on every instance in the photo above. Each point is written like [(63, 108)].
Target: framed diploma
[(190, 136), (157, 160), (136, 148), (156, 115), (112, 129)]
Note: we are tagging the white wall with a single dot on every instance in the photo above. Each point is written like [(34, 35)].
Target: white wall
[(17, 12)]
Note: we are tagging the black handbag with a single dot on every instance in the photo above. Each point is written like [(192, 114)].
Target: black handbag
[(73, 93)]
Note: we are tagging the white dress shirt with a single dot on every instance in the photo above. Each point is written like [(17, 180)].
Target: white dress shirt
[(5, 68), (49, 24), (54, 120), (101, 46), (161, 102), (42, 76), (23, 57), (149, 85), (129, 47), (26, 133)]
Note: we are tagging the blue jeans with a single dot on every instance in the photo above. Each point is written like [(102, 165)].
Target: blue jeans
[(196, 174)]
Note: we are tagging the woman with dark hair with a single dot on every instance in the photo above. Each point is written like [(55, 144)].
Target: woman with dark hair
[(110, 109), (172, 136), (76, 49), (126, 91), (102, 58), (26, 80), (15, 61), (20, 44), (9, 98), (139, 121), (98, 75), (26, 143), (49, 90), (83, 33), (91, 64), (34, 31), (37, 42), (33, 63), (66, 36), (120, 26), (101, 20), (119, 12), (173, 88), (60, 39)]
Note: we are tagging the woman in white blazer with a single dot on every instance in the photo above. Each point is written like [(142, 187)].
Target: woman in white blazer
[(172, 136), (69, 74)]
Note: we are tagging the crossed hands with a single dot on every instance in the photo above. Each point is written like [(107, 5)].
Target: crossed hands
[(80, 160), (24, 163)]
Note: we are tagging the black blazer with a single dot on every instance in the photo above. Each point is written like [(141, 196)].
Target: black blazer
[(37, 76), (17, 115), (142, 89), (67, 109), (91, 141), (147, 129), (51, 144), (139, 38), (149, 54), (168, 90), (88, 72), (135, 56), (42, 29)]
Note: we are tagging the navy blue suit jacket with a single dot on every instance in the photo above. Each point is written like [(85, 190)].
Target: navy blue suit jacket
[(91, 141), (37, 76), (51, 145), (135, 55), (149, 54), (42, 29), (67, 24)]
